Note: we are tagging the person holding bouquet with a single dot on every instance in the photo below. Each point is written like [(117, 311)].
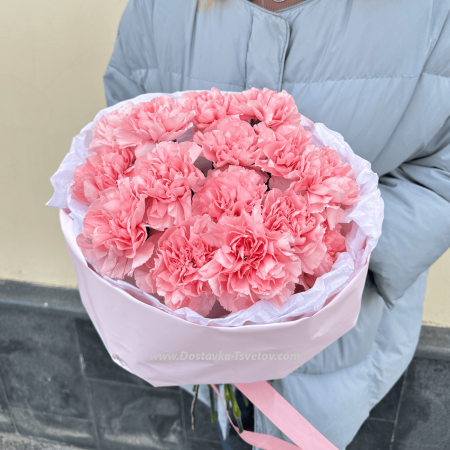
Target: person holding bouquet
[(379, 73)]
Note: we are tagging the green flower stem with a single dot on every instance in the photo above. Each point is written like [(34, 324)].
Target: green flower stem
[(227, 395), (213, 404), (236, 410), (194, 401)]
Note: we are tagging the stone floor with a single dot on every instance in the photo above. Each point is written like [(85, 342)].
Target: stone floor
[(60, 390)]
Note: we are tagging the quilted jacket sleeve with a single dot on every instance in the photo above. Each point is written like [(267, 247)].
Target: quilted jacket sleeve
[(416, 227)]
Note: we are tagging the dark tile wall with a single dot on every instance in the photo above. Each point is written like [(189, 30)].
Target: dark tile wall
[(59, 386), (38, 294), (424, 412), (415, 414), (135, 417), (42, 376), (17, 442), (6, 420)]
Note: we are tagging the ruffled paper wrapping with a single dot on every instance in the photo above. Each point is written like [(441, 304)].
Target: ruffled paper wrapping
[(364, 219), (168, 351)]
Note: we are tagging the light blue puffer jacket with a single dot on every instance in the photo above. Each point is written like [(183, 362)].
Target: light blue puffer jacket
[(378, 72)]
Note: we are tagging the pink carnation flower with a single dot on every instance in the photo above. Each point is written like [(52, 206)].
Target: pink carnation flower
[(335, 191), (335, 243), (282, 151), (251, 262), (229, 192), (175, 267), (319, 164), (104, 135), (326, 180), (270, 107), (289, 213), (167, 176), (114, 235), (149, 123), (232, 141), (101, 171), (332, 214), (209, 107)]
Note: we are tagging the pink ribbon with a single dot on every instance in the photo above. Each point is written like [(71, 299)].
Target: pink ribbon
[(283, 415)]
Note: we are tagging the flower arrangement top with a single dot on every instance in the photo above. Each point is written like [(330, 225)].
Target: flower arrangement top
[(213, 199)]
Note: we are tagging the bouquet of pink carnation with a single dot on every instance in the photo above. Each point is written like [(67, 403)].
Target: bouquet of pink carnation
[(232, 212), (212, 198)]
